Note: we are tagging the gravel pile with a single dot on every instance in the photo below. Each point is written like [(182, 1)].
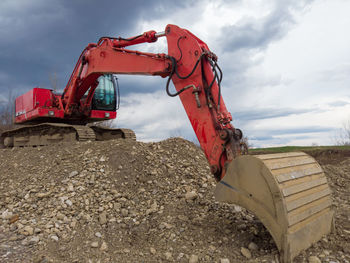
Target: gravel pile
[(126, 201)]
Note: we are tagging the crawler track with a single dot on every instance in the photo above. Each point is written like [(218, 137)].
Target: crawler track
[(50, 133)]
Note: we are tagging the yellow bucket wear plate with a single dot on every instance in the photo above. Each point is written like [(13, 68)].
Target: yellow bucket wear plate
[(288, 192)]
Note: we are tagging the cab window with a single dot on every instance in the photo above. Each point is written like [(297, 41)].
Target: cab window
[(105, 94)]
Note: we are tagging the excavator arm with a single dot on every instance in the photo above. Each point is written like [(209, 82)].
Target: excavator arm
[(192, 68)]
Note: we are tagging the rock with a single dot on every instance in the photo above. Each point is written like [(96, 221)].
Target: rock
[(54, 237), (94, 244), (224, 260), (168, 255), (193, 259), (252, 246), (181, 255), (103, 218), (70, 188), (117, 206), (237, 208), (249, 217), (104, 246), (6, 214), (74, 173), (152, 250), (212, 248), (34, 240), (13, 219), (42, 195), (245, 252), (182, 217), (98, 234), (242, 226), (153, 208), (165, 225), (27, 231), (59, 216), (73, 224), (69, 202), (25, 242), (314, 259), (125, 212), (191, 195), (62, 248)]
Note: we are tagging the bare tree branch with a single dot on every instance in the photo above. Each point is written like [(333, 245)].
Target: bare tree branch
[(343, 137), (54, 81), (7, 112)]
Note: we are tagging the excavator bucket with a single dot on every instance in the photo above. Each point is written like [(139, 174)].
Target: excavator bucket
[(289, 194)]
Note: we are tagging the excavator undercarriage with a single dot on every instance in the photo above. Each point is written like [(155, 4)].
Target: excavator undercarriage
[(50, 133)]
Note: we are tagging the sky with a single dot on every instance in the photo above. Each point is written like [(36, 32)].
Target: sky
[(286, 64)]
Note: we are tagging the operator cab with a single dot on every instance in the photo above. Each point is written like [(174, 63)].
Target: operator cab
[(106, 94)]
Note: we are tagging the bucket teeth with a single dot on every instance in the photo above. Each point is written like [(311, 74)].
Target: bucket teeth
[(288, 192)]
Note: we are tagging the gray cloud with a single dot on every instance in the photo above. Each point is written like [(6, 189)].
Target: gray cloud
[(302, 130), (283, 136), (242, 41), (41, 37), (140, 84), (268, 113), (254, 33), (338, 103)]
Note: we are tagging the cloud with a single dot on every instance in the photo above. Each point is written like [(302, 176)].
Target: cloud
[(39, 37), (154, 116), (140, 84), (301, 130), (243, 49), (268, 113), (258, 33), (296, 136), (338, 103)]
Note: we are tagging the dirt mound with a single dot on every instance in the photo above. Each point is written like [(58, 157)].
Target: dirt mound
[(125, 201), (329, 156)]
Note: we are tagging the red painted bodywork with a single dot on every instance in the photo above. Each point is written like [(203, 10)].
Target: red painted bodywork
[(42, 104), (209, 120)]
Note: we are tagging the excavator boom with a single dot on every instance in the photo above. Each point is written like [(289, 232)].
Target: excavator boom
[(189, 64)]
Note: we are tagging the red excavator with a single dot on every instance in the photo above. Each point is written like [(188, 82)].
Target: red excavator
[(288, 192)]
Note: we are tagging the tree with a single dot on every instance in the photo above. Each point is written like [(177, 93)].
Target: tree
[(7, 112), (246, 141), (54, 81), (344, 135)]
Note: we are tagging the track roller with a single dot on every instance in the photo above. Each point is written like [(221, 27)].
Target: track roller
[(288, 192)]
